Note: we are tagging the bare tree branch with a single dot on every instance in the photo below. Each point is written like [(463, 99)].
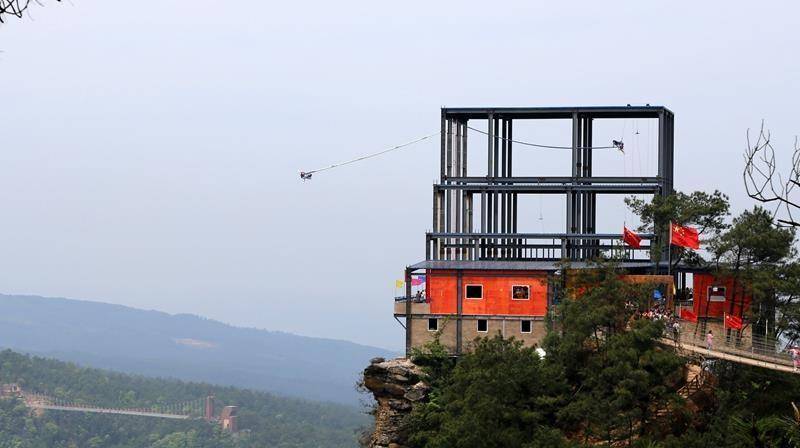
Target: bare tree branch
[(15, 8), (764, 183)]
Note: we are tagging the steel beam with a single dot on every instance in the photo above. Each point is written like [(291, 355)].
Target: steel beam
[(555, 189), (644, 236), (560, 180), (564, 113)]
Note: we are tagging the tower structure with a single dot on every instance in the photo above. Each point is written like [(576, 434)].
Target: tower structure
[(208, 411), (481, 274)]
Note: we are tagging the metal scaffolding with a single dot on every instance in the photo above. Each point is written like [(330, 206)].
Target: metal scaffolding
[(457, 236)]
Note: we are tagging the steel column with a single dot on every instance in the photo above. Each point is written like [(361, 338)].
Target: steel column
[(409, 319), (457, 194), (459, 310)]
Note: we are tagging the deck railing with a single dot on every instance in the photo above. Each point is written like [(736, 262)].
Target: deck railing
[(531, 246), (414, 299), (766, 349)]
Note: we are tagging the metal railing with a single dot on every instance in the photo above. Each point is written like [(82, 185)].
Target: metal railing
[(531, 246), (760, 349), (414, 299)]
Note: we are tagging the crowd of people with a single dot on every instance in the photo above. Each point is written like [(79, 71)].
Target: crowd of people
[(658, 312)]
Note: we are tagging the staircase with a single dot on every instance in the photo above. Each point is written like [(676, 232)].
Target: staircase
[(697, 379)]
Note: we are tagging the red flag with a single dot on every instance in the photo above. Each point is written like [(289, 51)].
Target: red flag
[(688, 315), (631, 238), (684, 236), (733, 322)]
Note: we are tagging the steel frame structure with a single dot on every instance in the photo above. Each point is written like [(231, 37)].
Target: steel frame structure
[(459, 242), (454, 235)]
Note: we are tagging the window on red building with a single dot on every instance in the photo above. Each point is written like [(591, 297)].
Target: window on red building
[(524, 326), (483, 325), (716, 293), (473, 291), (520, 292)]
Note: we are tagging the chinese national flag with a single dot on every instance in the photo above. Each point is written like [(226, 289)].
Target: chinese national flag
[(688, 315), (631, 238), (733, 322), (684, 236)]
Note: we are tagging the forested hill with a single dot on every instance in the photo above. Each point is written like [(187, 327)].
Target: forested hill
[(265, 420), (183, 346)]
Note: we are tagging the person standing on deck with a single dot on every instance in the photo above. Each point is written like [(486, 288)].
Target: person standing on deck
[(794, 352), (676, 328), (710, 341)]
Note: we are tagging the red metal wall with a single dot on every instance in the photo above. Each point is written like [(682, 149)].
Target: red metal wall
[(700, 287), (441, 290)]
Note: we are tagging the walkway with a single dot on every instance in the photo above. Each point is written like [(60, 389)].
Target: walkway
[(177, 411), (764, 355), (107, 411)]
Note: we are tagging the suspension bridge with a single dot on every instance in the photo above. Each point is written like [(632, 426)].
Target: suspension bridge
[(194, 409)]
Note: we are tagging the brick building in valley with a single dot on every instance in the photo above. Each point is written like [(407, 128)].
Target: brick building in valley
[(229, 418)]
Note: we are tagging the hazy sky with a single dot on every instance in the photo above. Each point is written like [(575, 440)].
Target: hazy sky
[(149, 150)]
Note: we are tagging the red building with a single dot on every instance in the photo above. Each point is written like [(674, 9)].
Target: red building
[(714, 297), (505, 293)]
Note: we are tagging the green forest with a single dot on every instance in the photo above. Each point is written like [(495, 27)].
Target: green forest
[(265, 420)]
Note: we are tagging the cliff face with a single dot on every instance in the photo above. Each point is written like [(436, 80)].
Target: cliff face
[(397, 385)]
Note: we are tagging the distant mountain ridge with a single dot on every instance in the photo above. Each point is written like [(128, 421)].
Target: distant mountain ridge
[(183, 346)]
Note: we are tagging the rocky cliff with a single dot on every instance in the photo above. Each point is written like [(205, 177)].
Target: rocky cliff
[(397, 385)]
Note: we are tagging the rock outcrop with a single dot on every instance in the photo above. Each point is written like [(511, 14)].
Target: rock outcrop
[(397, 385)]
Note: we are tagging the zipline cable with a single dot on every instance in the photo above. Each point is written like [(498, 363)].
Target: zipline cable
[(305, 175), (616, 144)]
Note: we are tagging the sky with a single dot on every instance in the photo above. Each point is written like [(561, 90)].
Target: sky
[(150, 151)]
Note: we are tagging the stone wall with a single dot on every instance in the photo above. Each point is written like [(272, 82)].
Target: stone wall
[(507, 326), (396, 385)]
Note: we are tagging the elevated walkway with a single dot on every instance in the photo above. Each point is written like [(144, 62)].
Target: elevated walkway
[(177, 411), (742, 351), (108, 411)]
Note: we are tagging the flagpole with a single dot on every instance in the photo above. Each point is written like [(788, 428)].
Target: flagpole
[(669, 251)]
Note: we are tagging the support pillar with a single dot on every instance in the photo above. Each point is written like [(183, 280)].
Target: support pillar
[(409, 319), (574, 199), (458, 195), (209, 408), (459, 311)]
